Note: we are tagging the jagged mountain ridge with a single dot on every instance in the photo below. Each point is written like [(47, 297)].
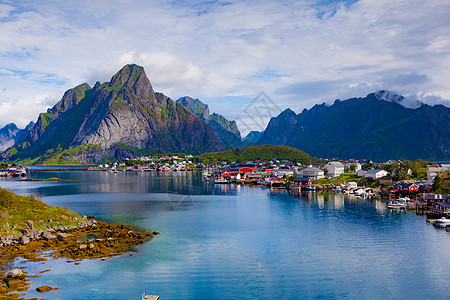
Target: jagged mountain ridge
[(227, 131), (10, 134), (369, 127), (115, 119), (252, 138)]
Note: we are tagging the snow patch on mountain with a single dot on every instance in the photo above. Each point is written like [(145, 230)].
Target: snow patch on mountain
[(393, 97)]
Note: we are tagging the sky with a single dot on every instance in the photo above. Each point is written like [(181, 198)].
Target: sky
[(248, 60)]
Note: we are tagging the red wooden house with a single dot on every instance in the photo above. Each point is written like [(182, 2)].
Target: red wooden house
[(302, 182), (442, 207), (406, 187)]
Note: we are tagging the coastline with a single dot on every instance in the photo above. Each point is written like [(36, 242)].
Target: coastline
[(84, 238)]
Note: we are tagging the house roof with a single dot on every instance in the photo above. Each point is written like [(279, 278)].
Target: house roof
[(444, 204), (336, 164), (405, 184), (302, 179), (312, 169), (374, 171)]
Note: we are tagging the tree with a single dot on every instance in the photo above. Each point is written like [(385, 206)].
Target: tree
[(438, 184), (401, 172), (353, 168)]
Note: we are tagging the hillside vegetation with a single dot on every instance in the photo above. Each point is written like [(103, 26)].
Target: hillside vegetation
[(262, 152), (15, 210)]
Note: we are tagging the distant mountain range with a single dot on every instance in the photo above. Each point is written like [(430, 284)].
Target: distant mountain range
[(10, 134), (377, 127), (125, 117), (114, 120), (227, 131)]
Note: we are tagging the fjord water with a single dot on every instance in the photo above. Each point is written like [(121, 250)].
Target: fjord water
[(227, 241)]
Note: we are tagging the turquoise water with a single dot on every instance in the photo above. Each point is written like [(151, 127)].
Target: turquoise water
[(225, 242)]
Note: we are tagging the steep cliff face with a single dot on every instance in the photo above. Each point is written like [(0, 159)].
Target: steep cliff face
[(227, 131), (197, 107), (114, 119), (373, 127)]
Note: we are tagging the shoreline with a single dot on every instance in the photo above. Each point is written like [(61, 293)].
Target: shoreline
[(92, 240)]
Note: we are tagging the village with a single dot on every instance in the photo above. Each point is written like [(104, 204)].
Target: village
[(403, 185)]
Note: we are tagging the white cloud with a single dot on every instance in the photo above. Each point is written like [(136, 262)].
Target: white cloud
[(298, 52)]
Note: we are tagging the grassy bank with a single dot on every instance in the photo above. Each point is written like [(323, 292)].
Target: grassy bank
[(15, 210)]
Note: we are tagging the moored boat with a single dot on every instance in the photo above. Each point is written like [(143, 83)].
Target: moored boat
[(221, 181), (396, 205), (443, 220)]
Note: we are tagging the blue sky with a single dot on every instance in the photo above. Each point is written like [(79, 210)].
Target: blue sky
[(225, 53)]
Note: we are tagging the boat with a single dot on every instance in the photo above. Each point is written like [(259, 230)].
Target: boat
[(397, 205), (337, 190), (149, 297), (443, 220), (310, 188), (221, 181)]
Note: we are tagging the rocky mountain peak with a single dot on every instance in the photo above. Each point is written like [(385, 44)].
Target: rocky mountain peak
[(389, 96), (196, 106), (133, 78)]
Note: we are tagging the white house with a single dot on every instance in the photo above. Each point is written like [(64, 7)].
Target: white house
[(361, 173), (433, 170), (312, 172), (356, 164), (375, 174), (334, 168), (350, 185)]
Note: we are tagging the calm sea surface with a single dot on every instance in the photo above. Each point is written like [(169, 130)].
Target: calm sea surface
[(225, 242)]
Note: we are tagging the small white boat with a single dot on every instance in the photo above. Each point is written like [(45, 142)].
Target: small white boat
[(396, 204), (443, 220), (337, 190), (149, 297), (221, 181)]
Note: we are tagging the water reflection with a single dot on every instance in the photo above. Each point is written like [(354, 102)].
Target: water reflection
[(229, 241)]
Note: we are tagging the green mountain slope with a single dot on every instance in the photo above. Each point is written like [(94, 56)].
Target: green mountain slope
[(261, 152)]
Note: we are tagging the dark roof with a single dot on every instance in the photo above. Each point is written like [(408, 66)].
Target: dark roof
[(302, 179), (444, 204)]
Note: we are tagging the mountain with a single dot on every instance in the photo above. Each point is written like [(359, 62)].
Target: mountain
[(377, 127), (261, 152), (225, 130), (10, 134), (114, 120), (252, 138)]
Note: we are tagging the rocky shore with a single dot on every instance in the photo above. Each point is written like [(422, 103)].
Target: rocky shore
[(91, 239)]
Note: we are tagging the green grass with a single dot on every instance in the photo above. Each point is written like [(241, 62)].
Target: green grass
[(345, 177), (263, 152), (15, 210)]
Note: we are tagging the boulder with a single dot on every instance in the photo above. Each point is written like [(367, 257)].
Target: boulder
[(62, 236), (44, 289), (15, 274), (24, 240), (29, 225)]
